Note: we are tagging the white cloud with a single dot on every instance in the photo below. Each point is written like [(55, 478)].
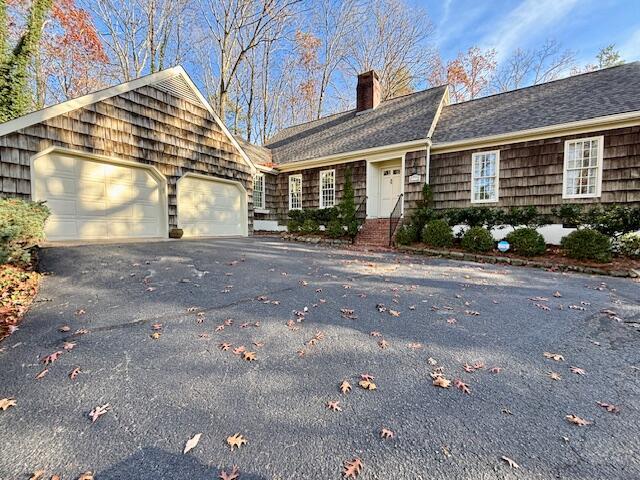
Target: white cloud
[(630, 49), (532, 19)]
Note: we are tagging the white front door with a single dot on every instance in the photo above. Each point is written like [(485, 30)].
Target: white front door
[(389, 190)]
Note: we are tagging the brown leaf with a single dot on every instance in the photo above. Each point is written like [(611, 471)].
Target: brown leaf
[(415, 346), (352, 468), (219, 328), (511, 463), (225, 346), (334, 405), (441, 382), (258, 344), (609, 407), (383, 344), (557, 294), (367, 384), (581, 422), (553, 356), (86, 476), (239, 350), (345, 387), (55, 477), (64, 328), (51, 357), (554, 376), (233, 474), (249, 356), (462, 386), (42, 374), (394, 313), (6, 403), (375, 334), (578, 371), (496, 370), (68, 345), (386, 433), (192, 442), (37, 475), (97, 412), (74, 373), (156, 335), (156, 326), (236, 440)]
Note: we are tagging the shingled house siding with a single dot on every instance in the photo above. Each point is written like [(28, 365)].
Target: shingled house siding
[(271, 199), (311, 186), (414, 163), (145, 125), (531, 172)]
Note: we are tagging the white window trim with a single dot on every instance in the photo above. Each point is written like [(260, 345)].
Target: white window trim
[(600, 166), (299, 175), (320, 202), (264, 200), (497, 187)]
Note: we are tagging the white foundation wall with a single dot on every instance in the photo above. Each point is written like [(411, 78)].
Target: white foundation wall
[(268, 226), (552, 233)]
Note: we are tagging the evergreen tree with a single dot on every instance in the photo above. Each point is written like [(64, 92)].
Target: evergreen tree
[(347, 207), (15, 95)]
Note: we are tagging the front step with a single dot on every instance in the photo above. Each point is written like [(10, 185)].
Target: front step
[(374, 232)]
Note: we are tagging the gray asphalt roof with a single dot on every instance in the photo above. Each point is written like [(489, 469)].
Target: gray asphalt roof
[(581, 97), (398, 120), (256, 153)]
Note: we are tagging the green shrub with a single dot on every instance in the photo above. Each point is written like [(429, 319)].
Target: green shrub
[(569, 214), (293, 226), (587, 244), (335, 229), (21, 228), (406, 235), (527, 242), (475, 217), (346, 209), (525, 217), (309, 226), (437, 233), (630, 244), (477, 239), (613, 220)]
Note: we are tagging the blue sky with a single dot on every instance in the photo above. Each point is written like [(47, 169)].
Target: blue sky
[(584, 26)]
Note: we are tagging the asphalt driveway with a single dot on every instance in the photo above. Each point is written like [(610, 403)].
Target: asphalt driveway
[(162, 391)]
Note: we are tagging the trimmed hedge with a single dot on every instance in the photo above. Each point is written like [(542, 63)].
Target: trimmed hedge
[(406, 235), (21, 229), (630, 244), (527, 242), (437, 233), (587, 244), (477, 239)]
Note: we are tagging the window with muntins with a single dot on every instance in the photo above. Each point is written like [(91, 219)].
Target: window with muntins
[(583, 168), (327, 188), (258, 191), (484, 177), (295, 192)]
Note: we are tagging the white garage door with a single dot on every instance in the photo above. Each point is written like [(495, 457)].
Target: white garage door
[(92, 198), (210, 207)]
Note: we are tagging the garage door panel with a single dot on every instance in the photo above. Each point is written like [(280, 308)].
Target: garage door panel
[(210, 207), (91, 199)]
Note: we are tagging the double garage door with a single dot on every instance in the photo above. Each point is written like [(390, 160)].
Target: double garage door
[(97, 199)]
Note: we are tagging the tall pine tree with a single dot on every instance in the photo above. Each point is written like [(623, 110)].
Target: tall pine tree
[(15, 94)]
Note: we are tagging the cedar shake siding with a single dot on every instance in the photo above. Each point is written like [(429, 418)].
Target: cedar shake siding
[(145, 125), (414, 163), (311, 186), (270, 200), (531, 172)]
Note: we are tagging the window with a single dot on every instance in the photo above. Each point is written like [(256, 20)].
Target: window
[(295, 192), (258, 191), (327, 188), (583, 168), (485, 176)]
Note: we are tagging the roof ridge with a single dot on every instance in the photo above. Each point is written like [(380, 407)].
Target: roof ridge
[(537, 85)]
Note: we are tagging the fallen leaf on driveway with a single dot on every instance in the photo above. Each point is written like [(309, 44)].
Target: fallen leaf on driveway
[(86, 476), (192, 442), (554, 376), (609, 407), (496, 370), (441, 382), (249, 356), (375, 334), (6, 403), (37, 475), (42, 374), (511, 463), (557, 294), (581, 422), (383, 344), (74, 373), (394, 313), (51, 357), (239, 350), (367, 384), (233, 474), (68, 345), (334, 405), (462, 386), (553, 356), (345, 387), (97, 412), (352, 468), (236, 440), (386, 433), (156, 335), (224, 346), (64, 328), (578, 371)]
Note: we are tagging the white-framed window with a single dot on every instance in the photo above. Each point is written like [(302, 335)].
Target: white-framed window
[(327, 188), (258, 191), (485, 178), (582, 176), (295, 192)]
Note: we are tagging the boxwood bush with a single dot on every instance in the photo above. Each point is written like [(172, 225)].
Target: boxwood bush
[(587, 244), (406, 235), (437, 233), (527, 242), (630, 244), (477, 239), (21, 228)]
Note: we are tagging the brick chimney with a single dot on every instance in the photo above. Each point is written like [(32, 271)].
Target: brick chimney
[(368, 91)]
